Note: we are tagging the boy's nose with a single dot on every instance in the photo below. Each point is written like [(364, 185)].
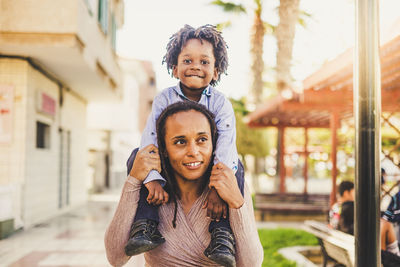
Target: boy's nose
[(195, 66)]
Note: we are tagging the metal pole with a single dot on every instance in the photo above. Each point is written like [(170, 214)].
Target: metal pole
[(367, 103)]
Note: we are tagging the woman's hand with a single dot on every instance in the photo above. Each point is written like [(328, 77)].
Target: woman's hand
[(224, 181), (147, 159)]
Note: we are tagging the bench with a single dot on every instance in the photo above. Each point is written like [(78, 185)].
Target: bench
[(335, 244), (291, 203)]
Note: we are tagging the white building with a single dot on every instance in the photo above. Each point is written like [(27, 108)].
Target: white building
[(115, 129), (55, 58)]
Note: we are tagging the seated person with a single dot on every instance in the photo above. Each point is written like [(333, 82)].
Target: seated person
[(389, 245), (388, 238), (341, 215)]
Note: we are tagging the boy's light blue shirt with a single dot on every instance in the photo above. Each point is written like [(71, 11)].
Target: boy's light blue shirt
[(218, 104)]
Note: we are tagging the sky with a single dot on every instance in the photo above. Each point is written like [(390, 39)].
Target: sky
[(330, 30)]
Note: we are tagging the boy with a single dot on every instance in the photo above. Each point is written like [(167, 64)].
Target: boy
[(197, 58)]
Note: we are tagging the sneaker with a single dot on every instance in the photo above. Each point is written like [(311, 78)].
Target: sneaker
[(222, 247), (144, 236)]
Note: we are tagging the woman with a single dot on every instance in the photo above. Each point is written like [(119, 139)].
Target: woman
[(186, 138)]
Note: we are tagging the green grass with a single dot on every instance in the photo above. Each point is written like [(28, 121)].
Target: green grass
[(274, 239)]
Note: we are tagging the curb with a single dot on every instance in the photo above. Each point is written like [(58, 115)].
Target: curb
[(294, 254)]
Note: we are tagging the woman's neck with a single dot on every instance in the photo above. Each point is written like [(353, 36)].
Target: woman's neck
[(190, 191)]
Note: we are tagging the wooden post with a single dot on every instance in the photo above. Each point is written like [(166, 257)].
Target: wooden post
[(305, 168), (334, 122), (282, 171)]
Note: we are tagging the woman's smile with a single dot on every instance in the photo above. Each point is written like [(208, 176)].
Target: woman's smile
[(193, 165)]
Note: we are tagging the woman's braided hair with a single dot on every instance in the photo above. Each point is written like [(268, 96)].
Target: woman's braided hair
[(167, 172), (206, 32)]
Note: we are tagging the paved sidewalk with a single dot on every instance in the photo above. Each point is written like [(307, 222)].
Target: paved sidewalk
[(72, 239)]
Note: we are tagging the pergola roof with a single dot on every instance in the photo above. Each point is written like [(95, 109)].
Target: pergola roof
[(330, 89)]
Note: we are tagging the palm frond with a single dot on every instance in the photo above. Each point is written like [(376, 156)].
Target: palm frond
[(224, 25), (269, 28), (303, 18), (229, 6)]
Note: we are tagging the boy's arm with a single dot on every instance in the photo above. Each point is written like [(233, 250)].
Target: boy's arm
[(149, 135), (225, 150)]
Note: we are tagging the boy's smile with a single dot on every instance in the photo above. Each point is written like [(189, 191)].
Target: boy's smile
[(195, 68)]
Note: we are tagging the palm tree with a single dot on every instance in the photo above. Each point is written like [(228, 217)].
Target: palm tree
[(256, 47), (284, 32)]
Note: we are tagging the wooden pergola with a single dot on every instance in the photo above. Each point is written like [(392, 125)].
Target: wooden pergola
[(327, 98)]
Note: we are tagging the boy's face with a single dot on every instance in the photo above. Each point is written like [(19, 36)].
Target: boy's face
[(196, 67)]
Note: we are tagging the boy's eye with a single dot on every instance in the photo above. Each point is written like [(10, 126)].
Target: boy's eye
[(205, 62), (187, 61)]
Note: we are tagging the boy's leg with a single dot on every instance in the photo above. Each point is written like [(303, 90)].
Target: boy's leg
[(143, 235), (144, 209), (224, 222), (222, 245)]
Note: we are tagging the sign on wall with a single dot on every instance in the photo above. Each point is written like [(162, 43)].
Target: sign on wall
[(6, 112), (46, 104)]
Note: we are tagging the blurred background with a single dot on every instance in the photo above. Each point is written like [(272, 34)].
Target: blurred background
[(77, 80)]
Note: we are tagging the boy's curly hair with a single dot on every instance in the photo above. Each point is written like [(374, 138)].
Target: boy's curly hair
[(206, 32)]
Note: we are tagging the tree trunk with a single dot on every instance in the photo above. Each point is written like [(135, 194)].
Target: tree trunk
[(285, 32), (257, 69), (257, 65)]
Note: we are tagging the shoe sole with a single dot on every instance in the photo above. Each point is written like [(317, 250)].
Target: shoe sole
[(224, 261), (132, 249)]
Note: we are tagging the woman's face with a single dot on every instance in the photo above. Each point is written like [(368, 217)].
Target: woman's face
[(188, 144)]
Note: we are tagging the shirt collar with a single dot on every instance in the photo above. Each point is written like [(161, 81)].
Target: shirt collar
[(178, 90)]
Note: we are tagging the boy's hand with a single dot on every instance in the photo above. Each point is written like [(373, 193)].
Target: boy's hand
[(216, 207), (157, 194)]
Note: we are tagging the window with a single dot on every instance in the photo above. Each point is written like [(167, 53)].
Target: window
[(89, 7), (103, 15), (113, 32), (42, 135)]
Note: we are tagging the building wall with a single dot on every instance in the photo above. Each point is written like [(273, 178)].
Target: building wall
[(29, 16), (12, 155), (30, 176), (73, 118), (123, 123), (53, 20), (100, 45), (147, 92), (41, 176)]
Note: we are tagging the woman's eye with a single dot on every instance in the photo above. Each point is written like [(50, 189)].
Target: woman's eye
[(203, 139), (179, 142)]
